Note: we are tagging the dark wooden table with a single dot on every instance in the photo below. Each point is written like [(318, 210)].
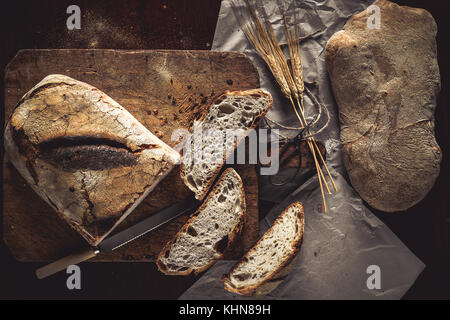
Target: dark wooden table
[(190, 24)]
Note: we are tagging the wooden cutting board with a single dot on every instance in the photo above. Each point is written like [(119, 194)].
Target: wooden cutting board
[(152, 85)]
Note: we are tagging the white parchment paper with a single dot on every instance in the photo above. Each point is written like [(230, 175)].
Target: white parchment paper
[(340, 245)]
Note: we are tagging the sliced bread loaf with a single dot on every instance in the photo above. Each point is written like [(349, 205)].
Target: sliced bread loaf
[(84, 154), (236, 112), (209, 231), (265, 265)]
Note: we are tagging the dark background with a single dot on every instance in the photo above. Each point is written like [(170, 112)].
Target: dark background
[(190, 24)]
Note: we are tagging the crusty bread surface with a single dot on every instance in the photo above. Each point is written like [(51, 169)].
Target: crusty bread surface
[(84, 154)]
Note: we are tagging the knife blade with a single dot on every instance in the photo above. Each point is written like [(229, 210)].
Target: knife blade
[(121, 238), (154, 221)]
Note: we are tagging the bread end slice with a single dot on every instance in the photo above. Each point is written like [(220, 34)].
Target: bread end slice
[(209, 231), (270, 260)]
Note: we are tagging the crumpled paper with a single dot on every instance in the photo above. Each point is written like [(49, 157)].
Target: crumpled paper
[(339, 246)]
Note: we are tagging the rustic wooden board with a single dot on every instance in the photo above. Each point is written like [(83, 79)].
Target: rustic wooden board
[(153, 86)]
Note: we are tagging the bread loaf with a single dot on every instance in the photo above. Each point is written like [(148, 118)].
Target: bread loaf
[(84, 154), (270, 260), (386, 82), (234, 111), (210, 230)]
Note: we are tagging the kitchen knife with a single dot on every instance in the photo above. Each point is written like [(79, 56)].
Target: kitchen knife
[(116, 241)]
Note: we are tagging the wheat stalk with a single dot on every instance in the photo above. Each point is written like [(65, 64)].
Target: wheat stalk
[(297, 71), (289, 77)]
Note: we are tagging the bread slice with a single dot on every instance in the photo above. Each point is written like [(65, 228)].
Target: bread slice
[(265, 265), (210, 230), (84, 154), (236, 111)]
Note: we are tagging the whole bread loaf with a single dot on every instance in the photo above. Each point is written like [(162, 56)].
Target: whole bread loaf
[(84, 154), (385, 81)]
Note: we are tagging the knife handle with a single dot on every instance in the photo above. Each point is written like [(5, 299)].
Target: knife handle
[(63, 263)]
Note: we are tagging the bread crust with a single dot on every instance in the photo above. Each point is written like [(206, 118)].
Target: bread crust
[(272, 280), (254, 124), (87, 195), (386, 84), (234, 233)]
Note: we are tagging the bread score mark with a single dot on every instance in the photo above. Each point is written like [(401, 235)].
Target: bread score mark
[(89, 153)]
